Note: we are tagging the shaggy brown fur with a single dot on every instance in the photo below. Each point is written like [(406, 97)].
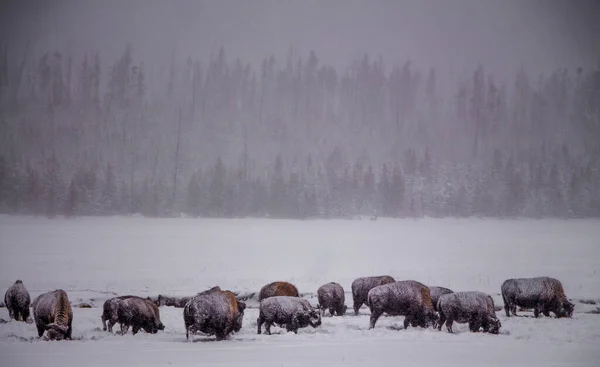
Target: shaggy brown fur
[(278, 289)]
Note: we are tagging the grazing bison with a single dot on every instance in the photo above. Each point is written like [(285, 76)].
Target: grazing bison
[(52, 311), (110, 312), (139, 313), (278, 289), (17, 302), (362, 286), (543, 294), (407, 298), (331, 296), (213, 312), (436, 293), (178, 302), (474, 308), (293, 312)]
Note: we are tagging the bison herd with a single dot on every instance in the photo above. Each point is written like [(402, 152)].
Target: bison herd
[(219, 312)]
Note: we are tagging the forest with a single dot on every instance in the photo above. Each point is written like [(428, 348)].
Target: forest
[(293, 138)]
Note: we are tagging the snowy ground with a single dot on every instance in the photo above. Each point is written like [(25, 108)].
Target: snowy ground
[(96, 258)]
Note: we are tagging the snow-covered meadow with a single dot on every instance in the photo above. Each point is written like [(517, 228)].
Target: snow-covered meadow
[(96, 258)]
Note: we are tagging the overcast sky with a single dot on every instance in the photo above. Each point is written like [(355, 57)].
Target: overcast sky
[(456, 34)]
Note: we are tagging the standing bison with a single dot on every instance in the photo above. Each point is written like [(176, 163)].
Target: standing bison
[(213, 312), (543, 294), (17, 302), (278, 289), (474, 308), (293, 312), (52, 311), (110, 312), (436, 293), (139, 313), (362, 286), (407, 298), (331, 296)]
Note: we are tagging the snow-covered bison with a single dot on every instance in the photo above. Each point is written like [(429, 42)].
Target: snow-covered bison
[(474, 308), (331, 297), (17, 301), (278, 289), (362, 286), (293, 312), (436, 293), (213, 312), (139, 313), (407, 298), (543, 294), (110, 312), (52, 311)]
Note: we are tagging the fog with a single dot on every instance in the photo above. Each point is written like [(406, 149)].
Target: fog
[(300, 109)]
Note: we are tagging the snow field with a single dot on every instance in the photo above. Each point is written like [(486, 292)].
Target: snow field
[(94, 259)]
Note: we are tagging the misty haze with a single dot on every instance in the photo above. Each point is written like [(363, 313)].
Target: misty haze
[(159, 149)]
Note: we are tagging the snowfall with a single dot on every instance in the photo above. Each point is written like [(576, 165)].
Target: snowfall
[(94, 259)]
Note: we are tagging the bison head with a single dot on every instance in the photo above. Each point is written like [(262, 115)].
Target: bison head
[(495, 326), (56, 332), (314, 318), (566, 310), (342, 311)]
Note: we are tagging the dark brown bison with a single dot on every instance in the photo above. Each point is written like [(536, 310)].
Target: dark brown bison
[(213, 312), (17, 301), (139, 313), (407, 298), (110, 311), (52, 312), (362, 286), (278, 289), (178, 302), (436, 293), (331, 297), (543, 294), (474, 308), (291, 312)]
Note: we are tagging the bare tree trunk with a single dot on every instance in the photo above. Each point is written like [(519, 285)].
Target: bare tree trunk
[(176, 157)]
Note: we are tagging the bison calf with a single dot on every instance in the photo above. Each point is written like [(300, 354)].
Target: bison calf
[(362, 286), (474, 308), (331, 296), (139, 313), (213, 312), (407, 298), (278, 289), (291, 312), (17, 301), (52, 311), (543, 294)]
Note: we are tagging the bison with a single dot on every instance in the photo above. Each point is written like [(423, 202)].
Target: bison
[(52, 311), (278, 289), (331, 296), (293, 312), (543, 294), (110, 312), (17, 301), (474, 308), (139, 313), (362, 286), (213, 312), (436, 293), (407, 298)]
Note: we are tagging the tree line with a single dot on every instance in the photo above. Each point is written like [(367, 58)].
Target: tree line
[(293, 140)]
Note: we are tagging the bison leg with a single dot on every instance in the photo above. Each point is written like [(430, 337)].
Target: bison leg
[(293, 326), (259, 323), (536, 312), (506, 308), (449, 325), (11, 314), (440, 321), (124, 329), (268, 325), (331, 311), (375, 314), (40, 329), (357, 304), (513, 309), (103, 323)]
